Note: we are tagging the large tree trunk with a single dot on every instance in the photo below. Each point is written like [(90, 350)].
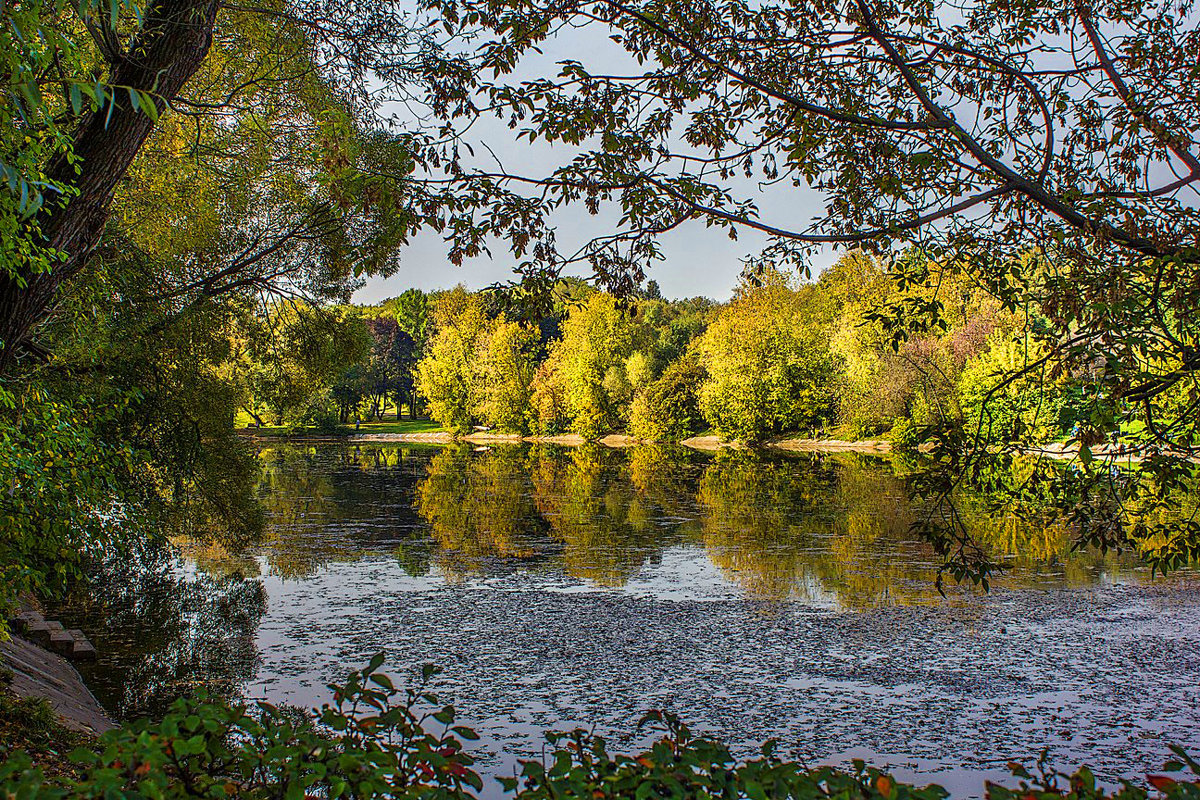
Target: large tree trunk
[(172, 44)]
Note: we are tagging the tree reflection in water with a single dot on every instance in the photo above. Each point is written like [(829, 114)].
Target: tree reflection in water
[(335, 503), (828, 528), (479, 509), (163, 630)]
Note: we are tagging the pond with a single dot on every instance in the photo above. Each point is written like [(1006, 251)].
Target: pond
[(756, 595)]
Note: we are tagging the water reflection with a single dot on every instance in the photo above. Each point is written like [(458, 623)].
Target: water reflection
[(582, 586), (479, 509), (164, 629), (823, 528), (331, 503)]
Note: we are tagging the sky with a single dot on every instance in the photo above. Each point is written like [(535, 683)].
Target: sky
[(698, 260)]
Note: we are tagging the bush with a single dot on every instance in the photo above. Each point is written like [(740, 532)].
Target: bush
[(905, 436), (680, 766), (369, 745), (669, 408), (372, 742)]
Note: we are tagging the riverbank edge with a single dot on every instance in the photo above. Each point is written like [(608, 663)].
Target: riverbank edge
[(1055, 450), (39, 673), (704, 443)]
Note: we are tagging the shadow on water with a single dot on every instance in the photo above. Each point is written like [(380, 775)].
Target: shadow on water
[(165, 627)]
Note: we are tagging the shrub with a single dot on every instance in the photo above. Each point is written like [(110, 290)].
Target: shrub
[(669, 408), (372, 742), (579, 767), (905, 436)]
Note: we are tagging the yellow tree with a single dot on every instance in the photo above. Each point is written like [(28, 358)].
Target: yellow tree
[(506, 368), (448, 374), (598, 341), (769, 369)]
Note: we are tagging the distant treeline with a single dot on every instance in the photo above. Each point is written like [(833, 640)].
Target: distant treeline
[(781, 357)]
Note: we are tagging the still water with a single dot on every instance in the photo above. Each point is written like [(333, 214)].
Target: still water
[(758, 596)]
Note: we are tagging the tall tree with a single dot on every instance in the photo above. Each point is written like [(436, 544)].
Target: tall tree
[(769, 370), (91, 81)]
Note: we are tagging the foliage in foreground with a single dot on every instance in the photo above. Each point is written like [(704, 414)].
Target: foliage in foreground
[(372, 741), (378, 741)]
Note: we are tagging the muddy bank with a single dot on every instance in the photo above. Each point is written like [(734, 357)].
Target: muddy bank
[(832, 445), (439, 437)]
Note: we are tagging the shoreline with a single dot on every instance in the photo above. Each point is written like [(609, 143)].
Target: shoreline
[(613, 440), (708, 443), (40, 673)]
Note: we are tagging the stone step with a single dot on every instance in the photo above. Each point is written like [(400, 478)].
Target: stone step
[(27, 617), (50, 633), (61, 641), (41, 632), (81, 648)]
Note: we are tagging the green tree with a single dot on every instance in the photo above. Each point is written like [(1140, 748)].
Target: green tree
[(298, 354), (448, 374), (590, 360), (506, 373), (263, 93), (768, 371), (669, 408)]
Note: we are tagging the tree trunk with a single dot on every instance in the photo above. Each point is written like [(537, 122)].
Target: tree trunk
[(173, 42)]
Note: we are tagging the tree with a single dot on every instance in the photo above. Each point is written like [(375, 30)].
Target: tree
[(598, 338), (411, 311), (885, 381), (506, 373), (1036, 407), (768, 371), (477, 369), (91, 83), (388, 372), (298, 354), (669, 408), (447, 376)]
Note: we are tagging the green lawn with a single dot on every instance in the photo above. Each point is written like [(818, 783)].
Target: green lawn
[(403, 426), (385, 426)]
